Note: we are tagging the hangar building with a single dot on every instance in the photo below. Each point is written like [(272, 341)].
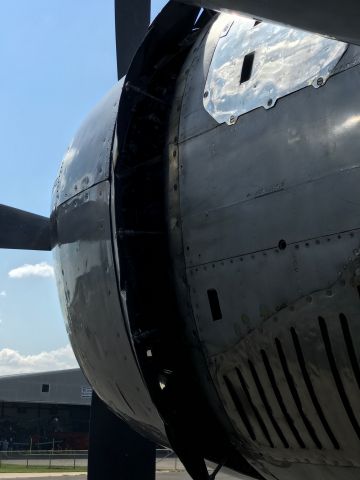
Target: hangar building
[(41, 411)]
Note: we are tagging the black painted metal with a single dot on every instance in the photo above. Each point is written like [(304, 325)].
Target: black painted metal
[(132, 18), (88, 158), (140, 172), (139, 213), (329, 17), (263, 214), (23, 230), (96, 321), (87, 277), (116, 451)]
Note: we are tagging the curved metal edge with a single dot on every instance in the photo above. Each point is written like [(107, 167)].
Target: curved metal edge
[(233, 451), (330, 18), (87, 159), (137, 258), (86, 280)]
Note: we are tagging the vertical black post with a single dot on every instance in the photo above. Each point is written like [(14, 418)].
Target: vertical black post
[(115, 450), (132, 18)]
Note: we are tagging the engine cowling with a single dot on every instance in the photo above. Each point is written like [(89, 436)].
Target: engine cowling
[(208, 246)]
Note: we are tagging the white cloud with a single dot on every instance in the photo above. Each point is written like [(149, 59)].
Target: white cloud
[(12, 362), (42, 269), (3, 293)]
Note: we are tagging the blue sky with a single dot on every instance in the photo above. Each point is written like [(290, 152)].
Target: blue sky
[(57, 60)]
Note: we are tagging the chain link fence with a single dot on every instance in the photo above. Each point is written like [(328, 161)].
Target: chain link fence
[(166, 460), (71, 459)]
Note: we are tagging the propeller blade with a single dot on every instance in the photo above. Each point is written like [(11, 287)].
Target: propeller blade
[(331, 18), (115, 450), (132, 18), (23, 230)]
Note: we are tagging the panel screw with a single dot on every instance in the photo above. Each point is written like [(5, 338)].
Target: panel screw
[(206, 94), (319, 81), (282, 244)]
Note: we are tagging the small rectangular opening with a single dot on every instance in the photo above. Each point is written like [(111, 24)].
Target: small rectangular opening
[(45, 388), (214, 304), (247, 67)]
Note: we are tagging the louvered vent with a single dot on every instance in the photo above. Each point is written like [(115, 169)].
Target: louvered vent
[(250, 392)]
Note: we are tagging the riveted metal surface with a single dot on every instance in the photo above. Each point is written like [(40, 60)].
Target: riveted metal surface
[(185, 305), (300, 471), (276, 165), (247, 297), (96, 323), (266, 214), (256, 63), (194, 119), (87, 160), (293, 344), (263, 214), (243, 283)]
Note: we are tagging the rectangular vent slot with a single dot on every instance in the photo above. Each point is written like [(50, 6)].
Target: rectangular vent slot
[(214, 304), (254, 409), (295, 394), (350, 347), (247, 67), (239, 407), (280, 400), (337, 378), (267, 405), (310, 388)]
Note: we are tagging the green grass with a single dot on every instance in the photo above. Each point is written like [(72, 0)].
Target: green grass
[(37, 469)]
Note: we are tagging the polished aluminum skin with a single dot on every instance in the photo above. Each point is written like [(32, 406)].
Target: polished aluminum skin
[(282, 61)]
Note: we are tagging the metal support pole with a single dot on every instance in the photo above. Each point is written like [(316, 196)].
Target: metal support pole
[(115, 450)]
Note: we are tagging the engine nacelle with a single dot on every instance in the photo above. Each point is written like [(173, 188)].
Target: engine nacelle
[(208, 246)]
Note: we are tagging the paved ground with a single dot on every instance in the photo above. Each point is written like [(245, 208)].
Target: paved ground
[(159, 476), (185, 476), (36, 476)]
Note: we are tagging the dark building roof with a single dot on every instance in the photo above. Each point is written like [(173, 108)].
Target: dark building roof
[(60, 387)]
